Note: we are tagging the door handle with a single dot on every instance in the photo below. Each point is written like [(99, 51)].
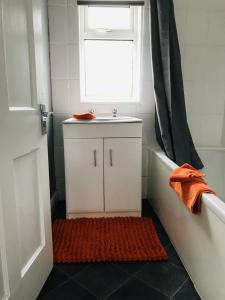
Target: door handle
[(95, 157), (44, 118), (111, 157)]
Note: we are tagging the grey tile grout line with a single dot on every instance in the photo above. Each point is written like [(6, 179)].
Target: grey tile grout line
[(134, 276), (84, 287), (58, 285), (174, 294), (119, 286), (154, 288), (70, 276), (180, 267), (49, 292), (166, 244), (114, 290), (125, 281), (80, 284), (146, 262), (148, 284)]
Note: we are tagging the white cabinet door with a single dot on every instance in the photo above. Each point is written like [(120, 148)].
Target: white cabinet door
[(122, 174), (25, 223), (84, 175)]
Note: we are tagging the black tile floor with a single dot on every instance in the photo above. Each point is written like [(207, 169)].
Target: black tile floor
[(121, 281)]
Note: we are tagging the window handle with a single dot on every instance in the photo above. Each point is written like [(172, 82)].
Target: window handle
[(103, 29)]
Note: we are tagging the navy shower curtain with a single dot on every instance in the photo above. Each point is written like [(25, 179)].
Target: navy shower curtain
[(172, 131)]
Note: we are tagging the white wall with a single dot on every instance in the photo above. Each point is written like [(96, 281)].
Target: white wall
[(201, 30), (201, 27)]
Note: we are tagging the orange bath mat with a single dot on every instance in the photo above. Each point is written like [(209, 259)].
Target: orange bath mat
[(106, 239)]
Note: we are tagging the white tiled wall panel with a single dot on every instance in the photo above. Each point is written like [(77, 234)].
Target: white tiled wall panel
[(58, 20), (200, 26), (216, 20), (201, 34), (207, 98), (206, 129), (197, 24), (59, 61), (57, 2), (201, 4), (181, 19)]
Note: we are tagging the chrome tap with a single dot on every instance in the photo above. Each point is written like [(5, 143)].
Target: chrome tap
[(114, 112)]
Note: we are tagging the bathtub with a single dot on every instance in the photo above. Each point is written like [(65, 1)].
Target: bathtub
[(198, 239)]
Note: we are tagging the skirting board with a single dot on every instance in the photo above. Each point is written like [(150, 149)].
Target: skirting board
[(104, 214)]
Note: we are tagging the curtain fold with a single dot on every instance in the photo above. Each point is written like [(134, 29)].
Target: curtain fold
[(172, 131)]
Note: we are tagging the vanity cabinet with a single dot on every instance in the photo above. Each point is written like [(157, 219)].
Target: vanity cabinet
[(102, 168)]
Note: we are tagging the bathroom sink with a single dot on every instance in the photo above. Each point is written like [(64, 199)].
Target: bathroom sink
[(104, 119), (111, 118)]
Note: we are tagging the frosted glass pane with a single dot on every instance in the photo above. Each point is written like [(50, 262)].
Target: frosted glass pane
[(108, 68), (109, 17)]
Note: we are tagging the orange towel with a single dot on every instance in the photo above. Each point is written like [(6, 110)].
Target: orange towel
[(87, 116), (189, 185)]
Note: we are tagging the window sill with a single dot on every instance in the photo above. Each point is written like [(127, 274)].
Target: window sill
[(108, 101)]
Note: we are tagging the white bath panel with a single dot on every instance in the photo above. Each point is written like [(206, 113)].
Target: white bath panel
[(198, 239)]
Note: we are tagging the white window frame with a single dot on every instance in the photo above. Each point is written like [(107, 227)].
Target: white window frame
[(133, 34)]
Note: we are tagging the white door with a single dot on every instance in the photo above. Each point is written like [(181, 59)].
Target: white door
[(122, 173), (25, 224), (84, 175)]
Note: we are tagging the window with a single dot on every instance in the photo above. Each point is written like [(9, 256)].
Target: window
[(109, 53)]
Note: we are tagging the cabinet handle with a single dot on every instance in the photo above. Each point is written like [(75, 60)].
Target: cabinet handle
[(95, 158), (111, 158)]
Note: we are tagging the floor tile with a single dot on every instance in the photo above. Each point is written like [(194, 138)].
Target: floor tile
[(134, 289), (122, 280), (69, 291), (163, 276), (162, 233), (131, 267), (102, 279), (71, 269), (187, 292), (55, 279), (147, 211), (59, 210), (173, 256)]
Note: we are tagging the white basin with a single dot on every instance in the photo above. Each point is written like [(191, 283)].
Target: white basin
[(111, 118), (104, 119)]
